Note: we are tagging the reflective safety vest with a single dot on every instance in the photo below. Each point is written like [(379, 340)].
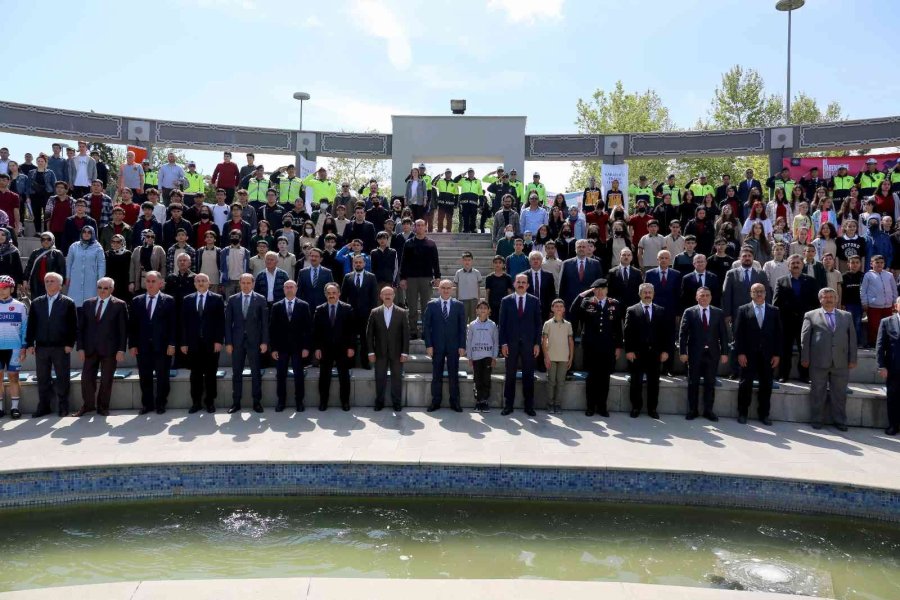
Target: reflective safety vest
[(895, 181), (322, 190), (470, 191), (256, 189), (841, 186), (151, 179), (520, 190), (289, 190), (869, 182), (447, 190), (787, 185), (674, 190), (638, 193), (535, 187), (195, 182), (700, 191), (427, 179)]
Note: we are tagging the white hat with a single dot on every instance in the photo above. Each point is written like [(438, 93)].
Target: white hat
[(421, 165), (871, 161), (536, 174)]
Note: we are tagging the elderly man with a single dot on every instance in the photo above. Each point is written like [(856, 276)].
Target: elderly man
[(387, 331), (703, 344), (202, 335), (828, 349), (246, 340), (648, 344), (152, 340), (290, 333), (270, 281), (795, 295), (757, 341), (102, 338), (444, 329)]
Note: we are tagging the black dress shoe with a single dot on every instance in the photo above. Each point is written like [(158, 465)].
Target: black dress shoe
[(323, 405), (840, 427), (782, 380), (765, 421), (378, 407), (257, 407), (210, 408), (635, 413), (234, 408), (506, 411), (432, 408), (742, 419), (893, 430), (398, 408), (458, 408), (653, 414), (691, 415), (300, 407), (102, 412), (194, 409), (144, 411), (40, 413), (279, 408), (711, 416), (160, 411), (345, 407), (589, 413), (530, 412), (63, 411), (816, 426), (13, 414), (603, 413)]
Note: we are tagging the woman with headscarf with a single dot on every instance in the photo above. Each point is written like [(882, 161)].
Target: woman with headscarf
[(118, 267), (46, 259), (10, 261), (4, 224), (149, 257), (85, 264)]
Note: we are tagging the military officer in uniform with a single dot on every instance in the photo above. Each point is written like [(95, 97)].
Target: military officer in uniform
[(601, 342)]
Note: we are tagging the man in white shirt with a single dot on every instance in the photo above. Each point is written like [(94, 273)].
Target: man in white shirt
[(82, 171)]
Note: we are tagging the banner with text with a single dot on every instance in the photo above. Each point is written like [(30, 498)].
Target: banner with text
[(610, 172), (828, 165)]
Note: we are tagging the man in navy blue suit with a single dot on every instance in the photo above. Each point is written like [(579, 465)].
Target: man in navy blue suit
[(887, 353), (666, 284), (444, 328), (202, 337), (311, 280), (698, 278), (152, 341), (520, 341), (578, 273)]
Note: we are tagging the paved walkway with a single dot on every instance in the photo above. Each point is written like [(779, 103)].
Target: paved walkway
[(861, 456)]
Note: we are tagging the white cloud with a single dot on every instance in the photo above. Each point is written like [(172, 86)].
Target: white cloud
[(377, 19), (528, 11)]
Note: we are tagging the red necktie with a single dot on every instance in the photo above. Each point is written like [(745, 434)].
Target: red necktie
[(705, 321), (521, 306), (664, 279), (580, 270)]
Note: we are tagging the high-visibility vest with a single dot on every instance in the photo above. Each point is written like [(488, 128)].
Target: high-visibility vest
[(841, 186), (787, 185), (289, 190), (256, 189), (539, 189), (895, 181), (701, 190), (447, 190), (427, 179), (520, 190), (195, 183), (869, 182), (638, 193), (675, 192), (322, 190), (470, 191), (151, 179)]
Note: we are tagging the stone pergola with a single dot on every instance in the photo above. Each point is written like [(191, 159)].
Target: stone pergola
[(455, 138)]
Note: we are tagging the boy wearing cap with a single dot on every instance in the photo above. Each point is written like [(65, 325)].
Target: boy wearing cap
[(13, 325)]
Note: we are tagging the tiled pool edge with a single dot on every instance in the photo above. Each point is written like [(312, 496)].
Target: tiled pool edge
[(93, 484)]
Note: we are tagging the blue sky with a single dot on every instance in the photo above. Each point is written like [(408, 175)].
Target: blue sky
[(239, 61)]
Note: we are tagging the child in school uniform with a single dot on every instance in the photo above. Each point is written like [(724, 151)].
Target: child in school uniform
[(468, 284), (482, 345), (558, 342)]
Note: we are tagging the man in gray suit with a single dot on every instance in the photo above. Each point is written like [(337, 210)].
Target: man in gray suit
[(703, 344), (387, 333), (828, 349), (246, 340), (736, 293)]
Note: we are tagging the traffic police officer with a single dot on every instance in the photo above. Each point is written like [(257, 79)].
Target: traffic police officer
[(447, 192), (869, 180), (840, 185), (601, 340), (470, 193), (536, 186), (641, 191)]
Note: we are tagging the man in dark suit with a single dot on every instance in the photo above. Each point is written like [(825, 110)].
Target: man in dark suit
[(444, 330), (625, 280), (50, 334), (736, 292), (703, 344), (311, 280), (202, 336), (333, 342), (541, 284), (757, 342), (246, 340), (795, 296), (887, 354), (601, 342), (576, 277), (360, 290), (520, 342), (744, 187), (697, 279), (290, 334), (387, 331), (102, 339), (666, 284), (648, 344), (152, 340)]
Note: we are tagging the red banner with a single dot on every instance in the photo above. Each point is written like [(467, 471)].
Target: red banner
[(828, 165), (139, 153)]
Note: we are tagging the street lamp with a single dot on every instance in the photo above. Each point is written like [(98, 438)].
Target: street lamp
[(788, 6), (301, 96)]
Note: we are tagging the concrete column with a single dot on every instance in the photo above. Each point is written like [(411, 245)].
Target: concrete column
[(401, 162), (775, 157)]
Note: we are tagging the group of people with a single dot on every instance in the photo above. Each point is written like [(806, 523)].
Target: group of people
[(352, 282)]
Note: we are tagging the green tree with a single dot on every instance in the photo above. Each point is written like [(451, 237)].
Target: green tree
[(741, 101), (806, 110), (358, 172), (618, 111)]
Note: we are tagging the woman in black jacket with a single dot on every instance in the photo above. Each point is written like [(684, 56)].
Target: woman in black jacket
[(10, 261), (43, 260), (118, 267)]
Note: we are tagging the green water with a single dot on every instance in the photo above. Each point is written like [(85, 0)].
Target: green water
[(422, 538)]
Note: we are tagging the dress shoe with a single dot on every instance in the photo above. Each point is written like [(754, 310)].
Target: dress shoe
[(257, 407), (782, 380), (653, 414), (398, 408), (81, 412), (766, 421), (506, 411), (456, 408), (691, 415), (234, 408), (279, 408), (530, 412), (210, 408), (892, 430), (603, 413), (742, 419), (432, 408), (3, 413), (378, 407), (710, 416), (635, 413), (63, 410), (589, 413), (345, 407), (144, 411), (323, 405), (40, 413), (14, 414), (300, 407), (840, 427), (160, 411), (194, 409), (102, 412), (816, 426)]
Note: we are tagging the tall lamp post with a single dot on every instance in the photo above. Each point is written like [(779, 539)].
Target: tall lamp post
[(787, 6), (302, 97)]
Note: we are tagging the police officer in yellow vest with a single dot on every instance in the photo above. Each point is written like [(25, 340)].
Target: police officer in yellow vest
[(447, 196), (257, 186), (869, 180), (322, 187), (289, 187), (487, 208), (895, 178), (151, 177), (519, 187), (782, 180), (840, 185), (642, 190), (700, 187), (195, 184), (669, 187), (470, 193), (537, 187)]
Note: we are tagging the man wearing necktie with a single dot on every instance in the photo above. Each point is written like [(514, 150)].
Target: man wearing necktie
[(290, 335), (757, 343), (795, 295), (334, 343), (246, 340), (666, 283), (202, 337), (520, 343), (736, 292), (102, 338), (828, 349), (577, 275), (703, 344), (152, 341), (360, 290), (444, 330), (649, 341)]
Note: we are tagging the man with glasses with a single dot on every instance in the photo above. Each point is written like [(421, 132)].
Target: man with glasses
[(102, 338), (344, 198)]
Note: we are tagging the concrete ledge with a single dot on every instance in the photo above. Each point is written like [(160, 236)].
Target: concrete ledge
[(382, 589)]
